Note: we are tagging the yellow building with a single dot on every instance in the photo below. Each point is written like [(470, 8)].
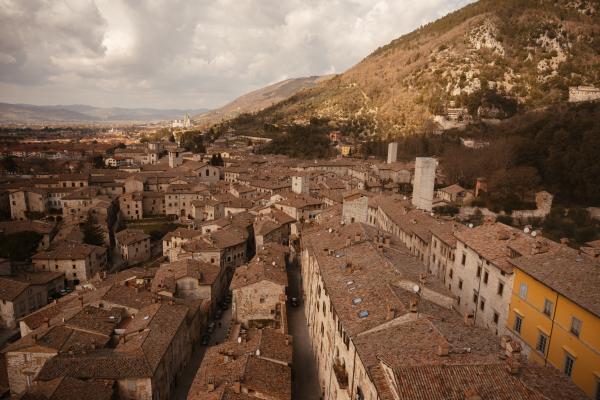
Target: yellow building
[(555, 312)]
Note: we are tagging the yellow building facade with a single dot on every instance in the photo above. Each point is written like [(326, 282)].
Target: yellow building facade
[(549, 317)]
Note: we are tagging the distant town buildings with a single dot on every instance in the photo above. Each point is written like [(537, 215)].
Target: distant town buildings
[(423, 296)]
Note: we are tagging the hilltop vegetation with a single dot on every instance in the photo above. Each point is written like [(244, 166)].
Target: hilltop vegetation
[(494, 57)]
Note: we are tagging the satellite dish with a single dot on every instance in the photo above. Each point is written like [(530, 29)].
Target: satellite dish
[(416, 288), (534, 233), (470, 225), (526, 230)]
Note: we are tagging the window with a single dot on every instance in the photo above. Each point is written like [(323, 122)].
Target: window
[(460, 283), (500, 288), (523, 290), (451, 273), (478, 272), (518, 323), (482, 304), (464, 259), (475, 297), (547, 307), (486, 276), (496, 317), (569, 364), (541, 343), (576, 326)]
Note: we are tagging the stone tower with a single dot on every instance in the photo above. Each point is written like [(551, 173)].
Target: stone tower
[(392, 152), (300, 184), (424, 182), (176, 157)]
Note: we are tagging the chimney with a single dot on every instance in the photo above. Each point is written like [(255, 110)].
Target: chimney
[(469, 319), (34, 336), (348, 242), (471, 394), (443, 349), (423, 278), (414, 305), (513, 348), (81, 301), (387, 241), (210, 387), (357, 237), (391, 313), (564, 241), (513, 365), (46, 322)]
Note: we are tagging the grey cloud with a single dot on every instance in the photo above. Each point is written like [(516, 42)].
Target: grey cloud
[(186, 53)]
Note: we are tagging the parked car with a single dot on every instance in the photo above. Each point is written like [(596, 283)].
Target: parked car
[(294, 302), (218, 314), (224, 306), (211, 327)]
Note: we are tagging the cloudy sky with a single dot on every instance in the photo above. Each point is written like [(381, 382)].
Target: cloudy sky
[(187, 53)]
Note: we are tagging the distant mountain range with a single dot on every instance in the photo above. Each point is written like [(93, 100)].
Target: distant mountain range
[(23, 113), (260, 99)]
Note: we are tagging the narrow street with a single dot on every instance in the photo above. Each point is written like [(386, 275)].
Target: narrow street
[(305, 385), (184, 382)]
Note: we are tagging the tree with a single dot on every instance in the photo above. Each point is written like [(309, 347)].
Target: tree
[(9, 164), (92, 232), (19, 246), (509, 187), (98, 162)]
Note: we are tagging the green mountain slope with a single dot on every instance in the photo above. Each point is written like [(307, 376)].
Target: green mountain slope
[(493, 57)]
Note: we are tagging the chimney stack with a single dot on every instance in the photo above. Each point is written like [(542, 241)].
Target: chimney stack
[(471, 394), (469, 319), (47, 322), (391, 313), (414, 305), (443, 349)]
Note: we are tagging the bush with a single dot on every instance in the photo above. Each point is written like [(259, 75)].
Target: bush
[(19, 246)]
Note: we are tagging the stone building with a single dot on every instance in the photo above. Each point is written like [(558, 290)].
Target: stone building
[(380, 329), (226, 247), (127, 335), (79, 262), (24, 293), (23, 202), (190, 279), (251, 364), (259, 289), (133, 245), (482, 276)]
